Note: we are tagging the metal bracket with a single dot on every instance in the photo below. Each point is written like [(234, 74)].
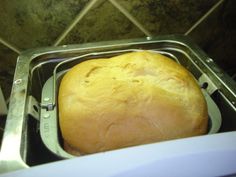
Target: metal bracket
[(33, 107), (206, 82), (48, 107), (213, 112)]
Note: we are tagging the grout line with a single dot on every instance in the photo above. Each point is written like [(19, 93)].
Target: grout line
[(74, 22), (10, 46), (203, 17), (131, 18)]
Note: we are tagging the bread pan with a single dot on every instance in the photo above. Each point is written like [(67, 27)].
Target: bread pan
[(49, 127)]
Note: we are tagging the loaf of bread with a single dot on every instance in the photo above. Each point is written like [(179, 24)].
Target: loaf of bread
[(130, 99)]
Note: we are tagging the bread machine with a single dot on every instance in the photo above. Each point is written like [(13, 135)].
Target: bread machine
[(32, 136)]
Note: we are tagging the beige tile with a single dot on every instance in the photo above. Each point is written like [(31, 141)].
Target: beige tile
[(169, 16), (33, 23), (103, 22)]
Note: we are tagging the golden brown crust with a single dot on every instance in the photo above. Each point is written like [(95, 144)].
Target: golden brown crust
[(131, 99)]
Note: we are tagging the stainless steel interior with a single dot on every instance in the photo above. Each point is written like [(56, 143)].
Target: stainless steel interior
[(22, 145)]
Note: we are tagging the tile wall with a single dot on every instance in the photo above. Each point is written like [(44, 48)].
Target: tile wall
[(28, 24)]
